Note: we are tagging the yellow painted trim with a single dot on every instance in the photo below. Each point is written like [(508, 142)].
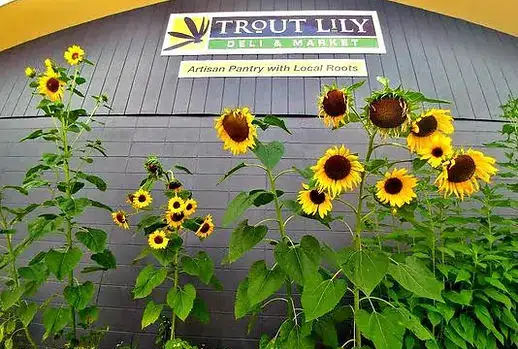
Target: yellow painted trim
[(25, 20), (496, 14)]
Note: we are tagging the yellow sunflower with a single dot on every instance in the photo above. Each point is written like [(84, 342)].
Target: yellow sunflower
[(74, 55), (459, 176), (437, 150), (397, 188), (314, 201), (431, 122), (190, 207), (174, 220), (390, 114), (157, 240), (119, 217), (236, 130), (206, 228), (338, 170), (176, 204), (142, 198), (48, 63), (30, 72), (174, 185), (51, 86), (333, 106)]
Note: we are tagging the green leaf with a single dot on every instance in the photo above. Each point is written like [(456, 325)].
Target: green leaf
[(79, 296), (237, 207), (413, 323), (181, 300), (269, 154), (88, 315), (33, 135), (463, 297), (364, 268), (183, 168), (200, 311), (232, 171), (463, 275), (484, 317), (509, 319), (416, 278), (200, 266), (44, 225), (453, 336), (62, 263), (72, 206), (80, 80), (325, 328), (7, 231), (242, 305), (306, 173), (10, 297), (381, 329), (264, 197), (93, 239), (26, 312), (166, 256), (320, 296), (151, 313), (468, 328), (300, 261), (76, 186), (97, 181), (417, 164), (105, 259), (243, 239), (299, 337), (275, 121), (55, 319), (499, 297), (101, 205), (148, 279), (263, 282)]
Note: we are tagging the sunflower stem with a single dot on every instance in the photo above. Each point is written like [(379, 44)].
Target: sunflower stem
[(175, 286)]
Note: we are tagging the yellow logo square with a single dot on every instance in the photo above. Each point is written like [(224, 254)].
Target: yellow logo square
[(187, 33)]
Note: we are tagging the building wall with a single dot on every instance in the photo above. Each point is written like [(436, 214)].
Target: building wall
[(154, 112)]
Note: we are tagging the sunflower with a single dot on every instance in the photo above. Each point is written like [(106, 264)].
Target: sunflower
[(51, 86), (190, 207), (314, 201), (48, 63), (74, 55), (430, 123), (174, 220), (30, 72), (333, 106), (437, 150), (174, 185), (157, 240), (119, 217), (176, 204), (397, 188), (338, 170), (141, 199), (236, 130), (459, 176), (206, 228)]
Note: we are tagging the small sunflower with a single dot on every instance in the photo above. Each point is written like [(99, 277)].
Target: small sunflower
[(236, 130), (338, 170), (459, 176), (141, 199), (314, 201), (176, 204), (174, 220), (48, 63), (158, 240), (119, 217), (437, 150), (430, 123), (74, 55), (190, 207), (397, 188), (51, 86), (175, 185), (333, 106), (30, 72), (206, 228)]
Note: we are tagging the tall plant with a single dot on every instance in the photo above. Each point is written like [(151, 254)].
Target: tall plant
[(165, 229), (63, 173)]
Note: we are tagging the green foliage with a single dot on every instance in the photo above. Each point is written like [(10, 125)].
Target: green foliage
[(243, 239)]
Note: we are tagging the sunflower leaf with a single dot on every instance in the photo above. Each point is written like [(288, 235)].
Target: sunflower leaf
[(243, 239), (270, 153), (275, 121), (237, 207), (231, 172), (183, 168)]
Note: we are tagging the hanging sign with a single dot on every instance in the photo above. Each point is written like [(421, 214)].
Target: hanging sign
[(273, 33)]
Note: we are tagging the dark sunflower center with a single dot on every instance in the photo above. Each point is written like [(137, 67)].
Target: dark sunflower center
[(176, 204), (316, 197), (393, 185), (437, 152), (131, 197), (236, 127), (463, 169), (387, 112), (335, 103), (427, 126), (75, 55), (158, 239), (177, 217), (205, 228), (53, 85), (188, 207), (337, 167), (120, 218), (142, 198), (152, 168), (174, 185)]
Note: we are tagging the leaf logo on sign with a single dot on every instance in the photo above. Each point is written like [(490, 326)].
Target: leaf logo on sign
[(187, 32)]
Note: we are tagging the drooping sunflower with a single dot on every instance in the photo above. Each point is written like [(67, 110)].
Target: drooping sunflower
[(158, 240), (141, 199), (51, 86), (397, 188), (314, 201), (337, 170), (174, 220), (190, 207), (30, 72), (333, 106), (437, 150), (430, 123), (175, 185), (119, 217), (459, 175), (236, 130), (74, 55), (206, 228), (176, 204)]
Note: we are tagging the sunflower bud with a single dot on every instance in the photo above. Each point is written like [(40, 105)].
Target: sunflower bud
[(30, 72), (153, 166)]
